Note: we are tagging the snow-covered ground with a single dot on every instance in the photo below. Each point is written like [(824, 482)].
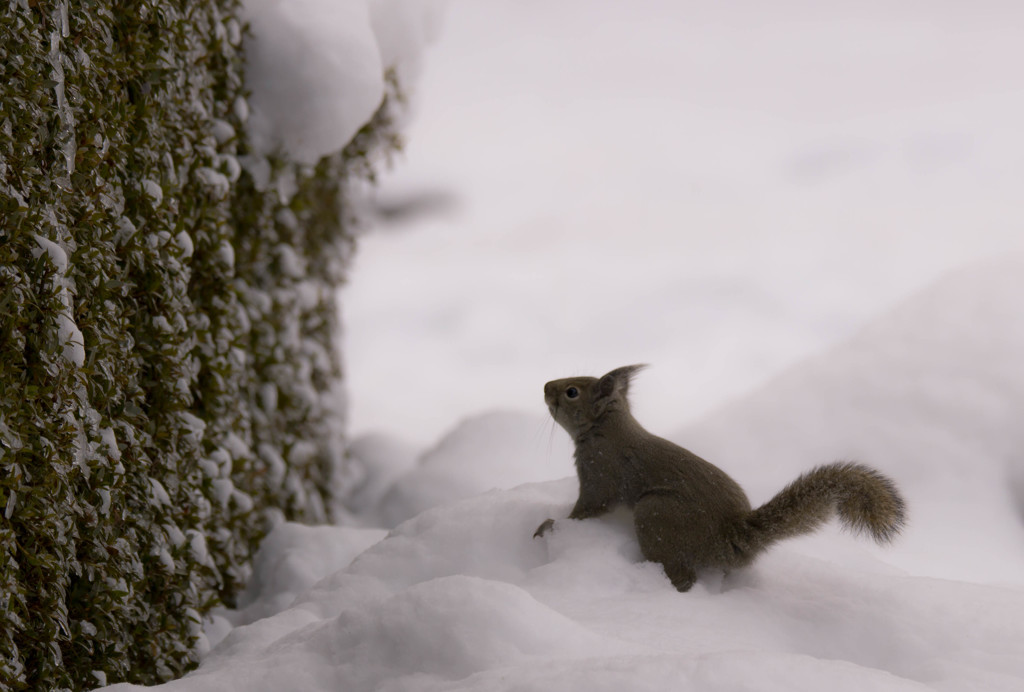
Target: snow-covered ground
[(461, 597), (804, 215)]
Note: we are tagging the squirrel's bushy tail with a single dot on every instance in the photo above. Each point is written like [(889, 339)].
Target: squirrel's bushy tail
[(864, 499)]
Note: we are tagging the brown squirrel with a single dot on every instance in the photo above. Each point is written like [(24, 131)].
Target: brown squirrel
[(688, 514)]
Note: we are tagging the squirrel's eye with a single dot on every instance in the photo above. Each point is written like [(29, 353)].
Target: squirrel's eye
[(572, 392)]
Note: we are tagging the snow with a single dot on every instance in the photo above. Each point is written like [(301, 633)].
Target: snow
[(153, 189), (316, 68), (403, 28), (104, 501), (109, 439), (163, 324), (194, 427), (231, 163), (289, 261), (215, 181), (160, 495), (276, 468), (55, 253), (197, 546), (174, 535), (291, 559), (226, 254), (70, 336), (222, 131), (455, 468), (461, 597), (223, 490), (184, 242)]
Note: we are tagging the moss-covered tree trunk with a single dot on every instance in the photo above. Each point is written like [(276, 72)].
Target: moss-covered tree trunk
[(169, 383)]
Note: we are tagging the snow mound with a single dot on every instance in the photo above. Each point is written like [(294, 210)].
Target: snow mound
[(291, 559), (493, 450), (462, 598), (316, 68)]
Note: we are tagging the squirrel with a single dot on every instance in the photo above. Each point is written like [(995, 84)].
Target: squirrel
[(688, 514)]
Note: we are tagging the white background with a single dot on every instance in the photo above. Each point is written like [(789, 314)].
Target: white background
[(717, 189)]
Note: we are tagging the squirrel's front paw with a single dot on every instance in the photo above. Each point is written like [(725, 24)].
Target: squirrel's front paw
[(544, 528)]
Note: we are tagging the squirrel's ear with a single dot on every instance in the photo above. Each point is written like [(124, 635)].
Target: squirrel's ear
[(617, 380)]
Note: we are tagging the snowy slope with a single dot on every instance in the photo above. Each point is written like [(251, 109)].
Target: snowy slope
[(467, 461), (934, 394), (461, 597)]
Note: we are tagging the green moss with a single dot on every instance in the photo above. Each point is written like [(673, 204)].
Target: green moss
[(135, 483)]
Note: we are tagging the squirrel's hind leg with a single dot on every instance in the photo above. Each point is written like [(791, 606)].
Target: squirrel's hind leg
[(685, 537), (682, 576), (669, 536)]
